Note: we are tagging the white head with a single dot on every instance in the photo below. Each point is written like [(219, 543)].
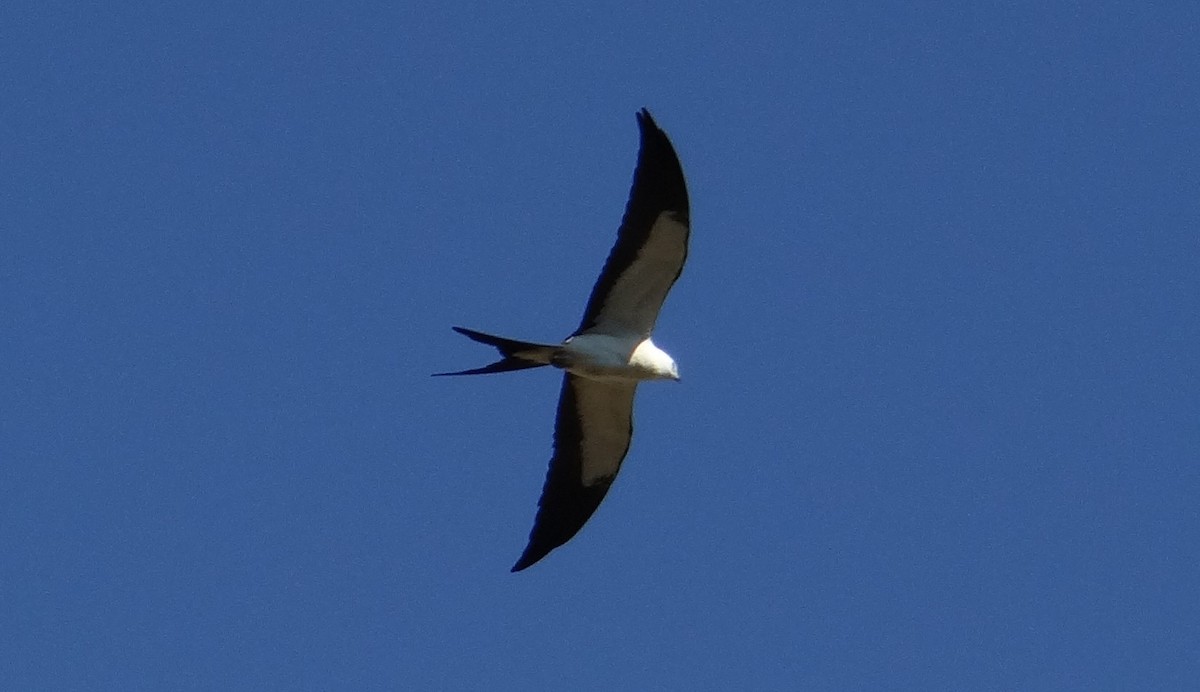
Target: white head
[(654, 361), (674, 374)]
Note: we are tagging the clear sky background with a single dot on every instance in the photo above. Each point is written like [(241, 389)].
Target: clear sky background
[(939, 424)]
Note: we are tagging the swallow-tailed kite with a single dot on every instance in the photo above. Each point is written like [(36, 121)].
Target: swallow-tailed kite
[(611, 351)]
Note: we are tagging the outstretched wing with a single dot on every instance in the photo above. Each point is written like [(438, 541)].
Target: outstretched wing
[(591, 437), (651, 244)]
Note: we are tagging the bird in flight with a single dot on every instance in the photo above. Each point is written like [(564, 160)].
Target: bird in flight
[(611, 351)]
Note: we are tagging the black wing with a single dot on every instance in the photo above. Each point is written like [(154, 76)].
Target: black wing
[(651, 244), (591, 438)]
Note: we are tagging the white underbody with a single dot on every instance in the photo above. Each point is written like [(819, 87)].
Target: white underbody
[(614, 358)]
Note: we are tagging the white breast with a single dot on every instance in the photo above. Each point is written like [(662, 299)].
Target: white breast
[(607, 357)]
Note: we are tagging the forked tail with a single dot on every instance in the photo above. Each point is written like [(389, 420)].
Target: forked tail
[(518, 355)]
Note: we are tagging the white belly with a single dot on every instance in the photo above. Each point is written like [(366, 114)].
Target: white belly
[(606, 357)]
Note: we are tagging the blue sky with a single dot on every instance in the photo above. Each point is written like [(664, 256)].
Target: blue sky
[(939, 422)]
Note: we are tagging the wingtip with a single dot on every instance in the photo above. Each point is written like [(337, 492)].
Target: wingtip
[(526, 560), (529, 558)]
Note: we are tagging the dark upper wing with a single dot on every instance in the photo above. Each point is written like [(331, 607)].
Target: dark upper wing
[(651, 243), (591, 437)]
